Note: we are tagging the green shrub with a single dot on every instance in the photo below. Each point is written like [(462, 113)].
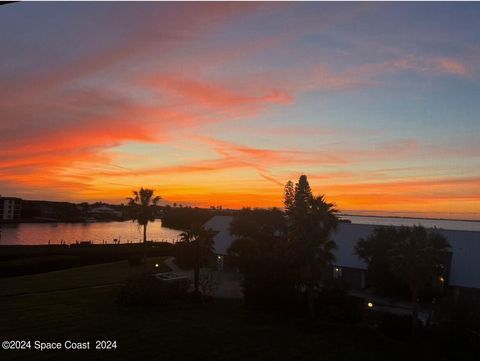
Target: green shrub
[(334, 304)]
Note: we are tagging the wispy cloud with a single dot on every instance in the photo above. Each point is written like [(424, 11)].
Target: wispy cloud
[(259, 70)]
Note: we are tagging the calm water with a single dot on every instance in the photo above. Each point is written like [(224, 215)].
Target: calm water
[(41, 233), (392, 221)]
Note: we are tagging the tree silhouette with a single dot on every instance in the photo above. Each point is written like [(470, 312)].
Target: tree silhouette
[(289, 196), (198, 244), (310, 223), (261, 252), (375, 250), (416, 256), (142, 208)]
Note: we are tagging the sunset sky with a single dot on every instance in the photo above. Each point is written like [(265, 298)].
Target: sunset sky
[(222, 103)]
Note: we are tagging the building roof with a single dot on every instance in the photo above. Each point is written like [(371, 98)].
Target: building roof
[(223, 239), (465, 245)]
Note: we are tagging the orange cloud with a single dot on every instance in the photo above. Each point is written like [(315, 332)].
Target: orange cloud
[(452, 66), (216, 95), (59, 125)]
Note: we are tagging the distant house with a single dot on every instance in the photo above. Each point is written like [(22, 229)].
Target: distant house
[(10, 208), (104, 211), (464, 272)]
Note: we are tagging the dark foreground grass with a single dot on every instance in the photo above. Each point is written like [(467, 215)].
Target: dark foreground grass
[(87, 276), (27, 260), (221, 330), (80, 305)]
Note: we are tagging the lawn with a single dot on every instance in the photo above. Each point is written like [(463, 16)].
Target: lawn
[(86, 276), (218, 331), (221, 330), (26, 260)]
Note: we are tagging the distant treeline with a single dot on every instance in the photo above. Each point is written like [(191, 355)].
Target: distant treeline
[(176, 217), (38, 211), (183, 218)]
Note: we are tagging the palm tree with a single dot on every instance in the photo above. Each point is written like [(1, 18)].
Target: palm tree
[(199, 246), (143, 208), (310, 221), (417, 257)]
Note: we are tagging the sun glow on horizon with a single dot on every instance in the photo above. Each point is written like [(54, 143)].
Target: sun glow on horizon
[(222, 103)]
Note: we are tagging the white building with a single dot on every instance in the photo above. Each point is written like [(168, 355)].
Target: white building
[(105, 211), (10, 208), (465, 248)]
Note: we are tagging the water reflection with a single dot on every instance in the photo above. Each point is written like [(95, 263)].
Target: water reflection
[(101, 232)]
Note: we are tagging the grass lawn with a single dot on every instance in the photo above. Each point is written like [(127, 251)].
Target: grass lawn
[(221, 330), (29, 260), (100, 274), (218, 331)]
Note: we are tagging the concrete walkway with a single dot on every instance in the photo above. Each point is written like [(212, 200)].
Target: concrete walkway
[(229, 283)]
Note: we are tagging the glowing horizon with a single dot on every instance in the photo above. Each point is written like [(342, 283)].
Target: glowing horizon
[(222, 103)]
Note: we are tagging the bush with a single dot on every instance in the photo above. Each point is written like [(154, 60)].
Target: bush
[(146, 290), (268, 285), (209, 283), (335, 305), (183, 255), (457, 334), (334, 288)]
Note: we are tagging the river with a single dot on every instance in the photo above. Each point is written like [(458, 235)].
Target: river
[(43, 233), (99, 232)]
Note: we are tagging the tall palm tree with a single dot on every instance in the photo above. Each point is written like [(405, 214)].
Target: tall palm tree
[(310, 220), (199, 243), (143, 208)]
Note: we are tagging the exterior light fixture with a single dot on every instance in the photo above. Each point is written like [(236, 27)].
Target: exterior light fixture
[(156, 265), (370, 305)]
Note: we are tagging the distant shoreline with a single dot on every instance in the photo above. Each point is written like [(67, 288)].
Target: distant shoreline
[(72, 221), (406, 217), (340, 214)]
